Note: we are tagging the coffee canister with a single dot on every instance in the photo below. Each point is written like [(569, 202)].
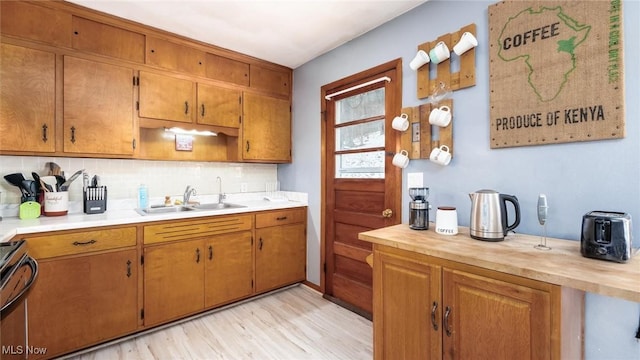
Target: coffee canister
[(446, 220)]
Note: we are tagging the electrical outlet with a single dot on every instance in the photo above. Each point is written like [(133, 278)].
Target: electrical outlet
[(243, 187)]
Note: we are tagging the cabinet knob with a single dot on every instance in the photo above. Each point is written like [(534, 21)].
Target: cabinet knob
[(387, 213)]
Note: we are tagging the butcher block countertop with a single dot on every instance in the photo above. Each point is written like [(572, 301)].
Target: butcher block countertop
[(562, 265)]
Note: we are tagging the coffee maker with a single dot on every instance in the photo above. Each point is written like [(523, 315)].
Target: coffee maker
[(419, 208)]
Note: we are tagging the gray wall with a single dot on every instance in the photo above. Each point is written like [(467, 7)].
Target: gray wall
[(576, 177)]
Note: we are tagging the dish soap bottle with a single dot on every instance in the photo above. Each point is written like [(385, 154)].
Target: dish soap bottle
[(143, 197)]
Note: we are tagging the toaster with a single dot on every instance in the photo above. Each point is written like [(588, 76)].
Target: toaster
[(606, 235)]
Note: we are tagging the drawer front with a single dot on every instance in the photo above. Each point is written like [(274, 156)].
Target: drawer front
[(181, 230), (79, 242), (280, 217)]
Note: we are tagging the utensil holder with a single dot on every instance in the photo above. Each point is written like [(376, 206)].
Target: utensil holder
[(95, 199)]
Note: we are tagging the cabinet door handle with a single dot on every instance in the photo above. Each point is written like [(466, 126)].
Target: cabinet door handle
[(247, 145), (44, 132), (434, 309), (202, 110), (128, 268), (281, 218), (197, 255), (186, 107), (210, 252), (73, 134), (447, 312), (260, 244), (80, 243)]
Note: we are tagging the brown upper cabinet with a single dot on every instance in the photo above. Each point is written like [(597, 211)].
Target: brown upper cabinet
[(270, 80), (34, 22), (98, 108), (169, 55), (166, 97), (69, 76), (266, 129), (107, 40), (227, 70), (219, 106), (27, 99)]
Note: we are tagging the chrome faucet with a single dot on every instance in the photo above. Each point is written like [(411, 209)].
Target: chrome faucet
[(221, 196), (187, 194)]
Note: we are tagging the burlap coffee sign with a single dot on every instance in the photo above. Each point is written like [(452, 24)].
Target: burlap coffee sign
[(556, 72)]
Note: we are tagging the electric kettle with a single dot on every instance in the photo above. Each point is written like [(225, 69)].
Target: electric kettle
[(489, 215)]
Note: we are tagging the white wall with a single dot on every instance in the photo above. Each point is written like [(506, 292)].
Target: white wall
[(577, 177)]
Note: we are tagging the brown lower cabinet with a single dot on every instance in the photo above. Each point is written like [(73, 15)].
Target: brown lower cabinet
[(427, 308), (86, 291), (186, 277), (195, 265), (99, 284)]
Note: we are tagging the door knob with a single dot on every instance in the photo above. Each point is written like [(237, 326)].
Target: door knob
[(387, 213)]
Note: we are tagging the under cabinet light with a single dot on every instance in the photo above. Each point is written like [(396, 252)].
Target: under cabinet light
[(180, 131)]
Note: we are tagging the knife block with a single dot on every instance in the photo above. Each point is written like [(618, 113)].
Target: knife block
[(95, 199)]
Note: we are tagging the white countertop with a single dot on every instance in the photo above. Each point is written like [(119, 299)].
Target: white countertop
[(12, 226)]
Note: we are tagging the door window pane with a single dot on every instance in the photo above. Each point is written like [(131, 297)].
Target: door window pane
[(361, 106), (360, 136), (364, 165)]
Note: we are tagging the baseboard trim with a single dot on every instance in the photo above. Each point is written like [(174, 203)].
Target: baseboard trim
[(365, 314)]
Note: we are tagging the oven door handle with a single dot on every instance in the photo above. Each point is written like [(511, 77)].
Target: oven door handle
[(33, 264)]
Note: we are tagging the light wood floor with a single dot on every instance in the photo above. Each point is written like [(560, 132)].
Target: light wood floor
[(296, 323)]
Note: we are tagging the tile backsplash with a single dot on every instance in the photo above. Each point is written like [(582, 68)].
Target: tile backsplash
[(122, 176)]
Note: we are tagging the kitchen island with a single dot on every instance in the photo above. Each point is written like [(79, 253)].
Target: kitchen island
[(439, 296)]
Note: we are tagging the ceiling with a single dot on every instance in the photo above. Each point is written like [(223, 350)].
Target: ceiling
[(285, 32)]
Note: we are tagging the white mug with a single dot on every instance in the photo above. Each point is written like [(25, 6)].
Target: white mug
[(446, 220), (440, 116), (400, 123), (441, 155), (439, 53), (467, 42), (420, 59), (401, 159)]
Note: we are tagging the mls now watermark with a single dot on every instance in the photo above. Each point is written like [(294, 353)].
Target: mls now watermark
[(21, 350)]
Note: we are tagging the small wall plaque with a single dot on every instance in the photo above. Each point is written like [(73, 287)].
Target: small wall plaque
[(184, 142)]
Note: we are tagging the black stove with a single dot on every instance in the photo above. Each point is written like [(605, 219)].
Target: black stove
[(18, 271)]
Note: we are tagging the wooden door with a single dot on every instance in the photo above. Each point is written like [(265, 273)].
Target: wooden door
[(166, 98), (280, 256), (173, 280), (27, 99), (80, 301), (219, 106), (229, 268), (266, 128), (406, 308), (361, 188), (98, 107), (491, 319)]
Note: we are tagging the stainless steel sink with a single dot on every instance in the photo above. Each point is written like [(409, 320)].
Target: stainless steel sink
[(217, 206), (175, 209), (164, 210)]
